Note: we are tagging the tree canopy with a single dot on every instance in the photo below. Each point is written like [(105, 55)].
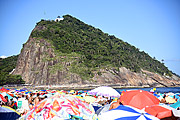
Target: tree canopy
[(6, 66)]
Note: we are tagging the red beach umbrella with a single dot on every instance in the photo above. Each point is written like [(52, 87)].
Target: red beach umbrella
[(2, 98), (158, 111), (138, 98), (4, 90)]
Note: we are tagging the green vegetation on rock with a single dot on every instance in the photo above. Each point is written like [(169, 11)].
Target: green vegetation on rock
[(94, 49)]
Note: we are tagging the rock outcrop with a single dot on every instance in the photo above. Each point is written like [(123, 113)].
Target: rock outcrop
[(125, 77), (35, 65)]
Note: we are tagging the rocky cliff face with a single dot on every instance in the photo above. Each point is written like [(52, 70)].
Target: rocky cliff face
[(125, 77), (35, 65), (38, 64)]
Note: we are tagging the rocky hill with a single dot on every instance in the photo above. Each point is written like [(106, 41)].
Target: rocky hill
[(70, 52)]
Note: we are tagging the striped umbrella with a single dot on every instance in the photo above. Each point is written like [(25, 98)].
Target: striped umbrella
[(2, 98), (123, 112)]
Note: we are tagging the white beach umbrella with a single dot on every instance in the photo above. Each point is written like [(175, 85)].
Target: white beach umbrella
[(105, 91)]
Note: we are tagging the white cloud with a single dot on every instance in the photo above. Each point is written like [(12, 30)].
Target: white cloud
[(3, 56)]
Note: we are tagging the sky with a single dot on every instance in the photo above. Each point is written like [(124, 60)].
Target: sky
[(152, 26)]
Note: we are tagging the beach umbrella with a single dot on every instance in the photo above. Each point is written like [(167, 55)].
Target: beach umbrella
[(176, 96), (61, 107), (24, 89), (6, 94), (7, 113), (175, 105), (103, 109), (138, 98), (104, 91), (156, 95), (4, 90), (170, 94), (170, 100), (175, 112), (80, 91), (11, 94), (158, 111), (123, 112), (80, 97), (89, 99), (43, 90), (2, 98), (72, 91)]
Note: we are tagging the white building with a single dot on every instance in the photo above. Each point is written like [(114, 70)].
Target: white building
[(58, 19)]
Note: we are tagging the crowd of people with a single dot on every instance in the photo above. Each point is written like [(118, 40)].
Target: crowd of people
[(23, 103)]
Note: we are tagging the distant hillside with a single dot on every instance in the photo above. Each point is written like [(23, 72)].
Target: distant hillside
[(6, 66), (72, 52)]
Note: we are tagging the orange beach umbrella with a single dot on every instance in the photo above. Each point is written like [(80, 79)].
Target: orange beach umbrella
[(138, 98), (158, 111)]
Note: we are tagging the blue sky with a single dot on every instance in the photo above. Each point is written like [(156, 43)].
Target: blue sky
[(152, 26)]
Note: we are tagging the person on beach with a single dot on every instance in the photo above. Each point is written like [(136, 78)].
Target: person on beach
[(30, 101), (174, 97), (23, 106), (36, 100), (7, 103), (13, 104), (115, 104), (163, 100)]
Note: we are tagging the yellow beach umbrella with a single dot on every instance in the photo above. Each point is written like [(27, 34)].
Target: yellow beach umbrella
[(72, 91), (79, 97), (170, 100), (89, 99)]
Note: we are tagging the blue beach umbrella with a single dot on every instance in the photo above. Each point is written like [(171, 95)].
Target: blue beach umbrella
[(176, 96), (43, 90), (27, 92), (123, 112), (156, 95), (24, 89), (7, 113), (175, 105)]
